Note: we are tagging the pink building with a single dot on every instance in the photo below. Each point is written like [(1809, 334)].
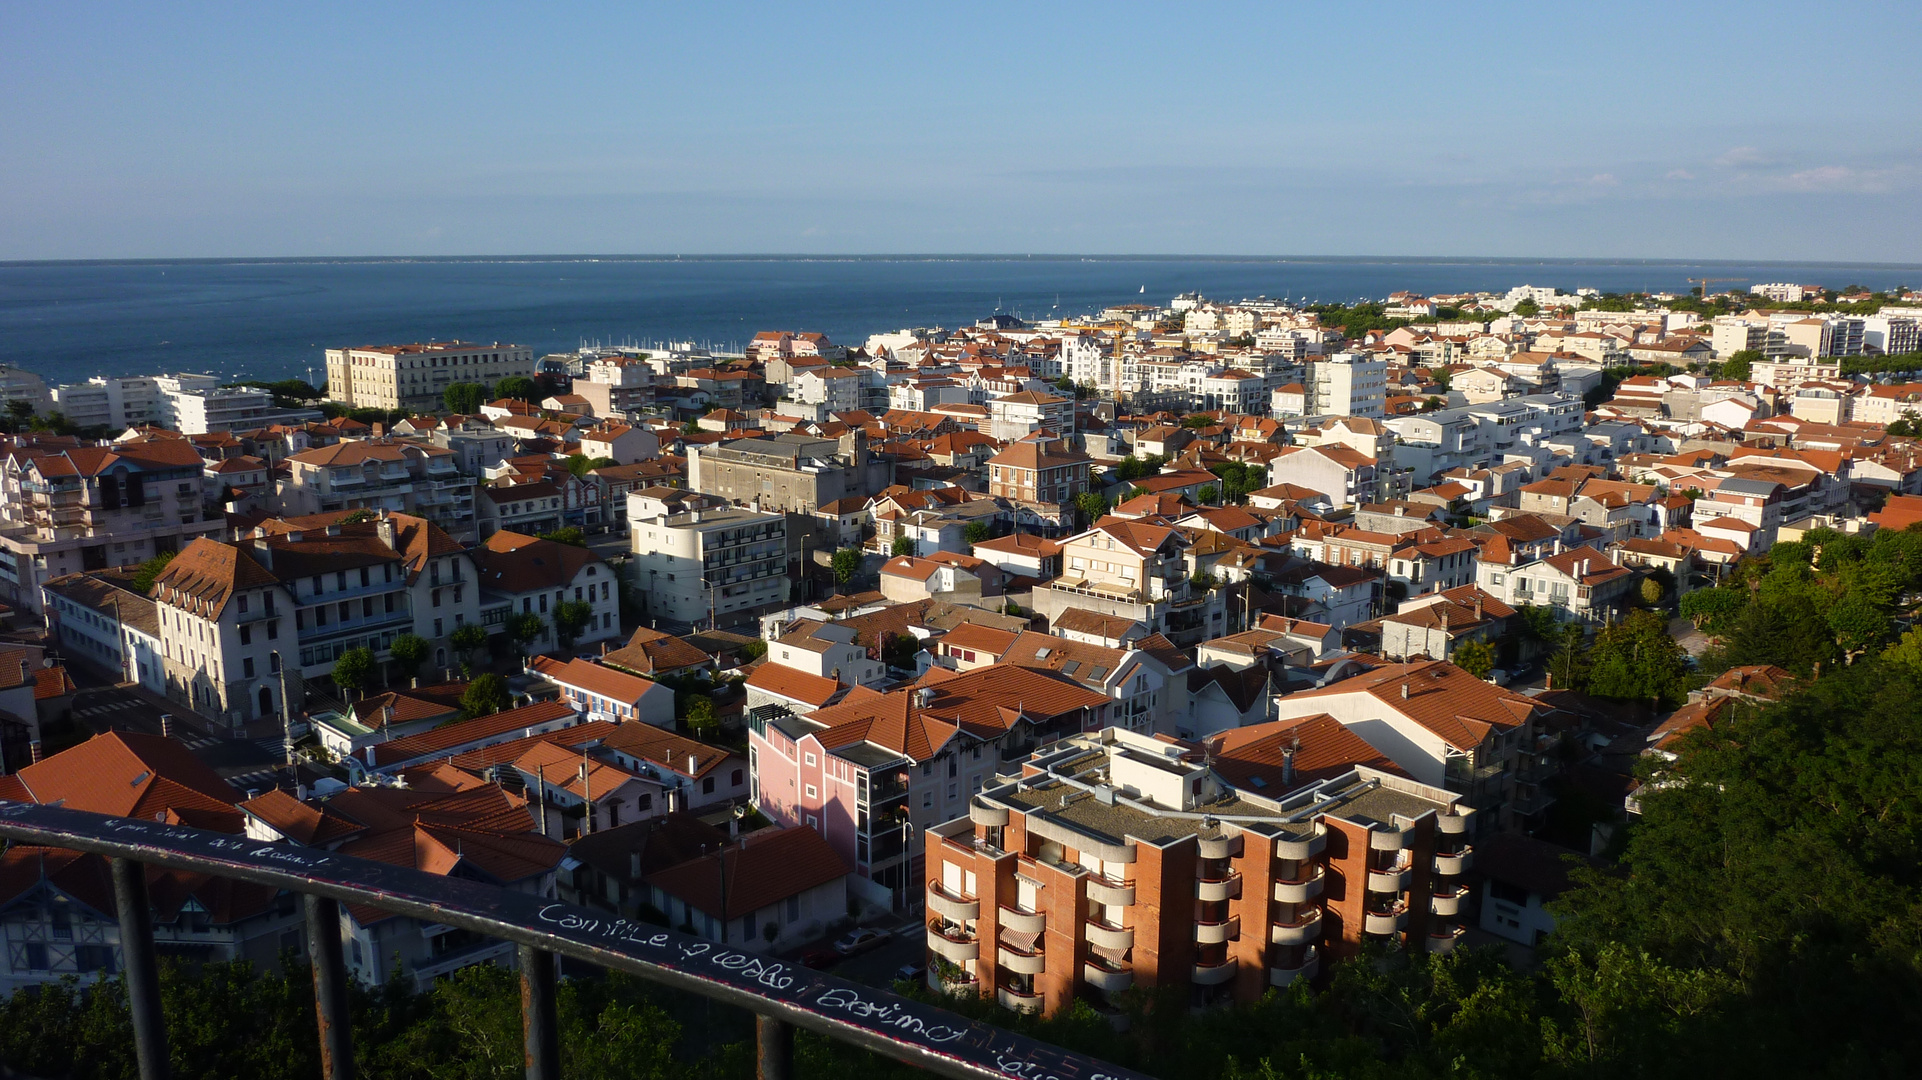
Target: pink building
[(875, 770)]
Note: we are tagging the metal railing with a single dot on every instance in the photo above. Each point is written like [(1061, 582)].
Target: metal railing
[(781, 995)]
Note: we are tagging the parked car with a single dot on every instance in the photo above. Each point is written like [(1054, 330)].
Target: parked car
[(819, 958), (910, 973), (860, 939)]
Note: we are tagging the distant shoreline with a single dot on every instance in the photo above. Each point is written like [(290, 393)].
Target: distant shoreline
[(1253, 260)]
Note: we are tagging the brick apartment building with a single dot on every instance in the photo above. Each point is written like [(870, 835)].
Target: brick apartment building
[(1120, 861)]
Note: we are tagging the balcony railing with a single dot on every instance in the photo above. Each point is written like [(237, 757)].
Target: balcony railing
[(541, 930)]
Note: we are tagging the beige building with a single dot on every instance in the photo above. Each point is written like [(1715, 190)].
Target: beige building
[(797, 473), (415, 376)]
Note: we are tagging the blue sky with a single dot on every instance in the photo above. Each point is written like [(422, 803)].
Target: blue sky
[(1704, 130)]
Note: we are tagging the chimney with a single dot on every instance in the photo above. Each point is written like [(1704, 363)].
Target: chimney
[(1404, 690), (1478, 605), (166, 725), (1287, 768), (923, 697), (583, 770), (384, 528), (693, 764), (26, 670)]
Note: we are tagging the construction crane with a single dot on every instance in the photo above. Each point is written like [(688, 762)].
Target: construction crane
[(1707, 281)]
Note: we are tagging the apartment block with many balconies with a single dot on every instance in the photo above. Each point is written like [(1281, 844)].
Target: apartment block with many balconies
[(1118, 861)]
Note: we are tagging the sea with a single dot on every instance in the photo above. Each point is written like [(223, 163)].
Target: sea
[(272, 319)]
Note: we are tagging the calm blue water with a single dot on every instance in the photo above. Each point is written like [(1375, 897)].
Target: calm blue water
[(272, 319)]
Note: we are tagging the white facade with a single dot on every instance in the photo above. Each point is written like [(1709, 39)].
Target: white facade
[(701, 565), (1348, 384)]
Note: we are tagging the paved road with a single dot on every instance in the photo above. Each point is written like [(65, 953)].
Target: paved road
[(876, 967)]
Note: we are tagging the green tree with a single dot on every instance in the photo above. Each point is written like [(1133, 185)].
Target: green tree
[(701, 719), (846, 565), (355, 669), (486, 695), (465, 398), (1637, 660), (1652, 592), (1740, 364), (469, 639), (902, 546), (1091, 505), (976, 532), (1528, 309), (524, 629), (571, 619), (1568, 663), (1475, 657), (571, 535), (518, 387), (147, 572), (1209, 494), (579, 465), (410, 652)]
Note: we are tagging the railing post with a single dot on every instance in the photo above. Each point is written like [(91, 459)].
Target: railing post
[(773, 1048), (330, 988), (142, 969), (540, 1025)]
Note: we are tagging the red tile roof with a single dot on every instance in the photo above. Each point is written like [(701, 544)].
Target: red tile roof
[(759, 871)]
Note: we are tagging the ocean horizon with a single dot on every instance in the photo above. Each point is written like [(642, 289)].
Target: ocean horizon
[(272, 317)]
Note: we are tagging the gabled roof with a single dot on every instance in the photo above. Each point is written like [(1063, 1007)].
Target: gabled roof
[(512, 562), (593, 678), (1453, 705), (762, 869), (132, 775), (205, 575), (982, 703), (1257, 757)]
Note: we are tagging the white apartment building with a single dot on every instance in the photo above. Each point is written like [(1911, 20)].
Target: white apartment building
[(380, 474), (838, 389), (198, 411), (707, 565), (115, 402), (531, 575), (95, 507), (232, 614), (1892, 333), (1730, 334), (1016, 416), (416, 376), (1348, 384), (19, 385)]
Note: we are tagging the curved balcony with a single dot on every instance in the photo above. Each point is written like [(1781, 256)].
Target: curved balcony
[(1016, 1001), (1301, 890), (990, 816), (1109, 891), (1389, 921), (1305, 928), (1443, 939), (1281, 975), (953, 905), (1448, 903), (1300, 850), (953, 947), (1019, 962), (1110, 937), (1451, 824), (1110, 980), (1224, 847), (1213, 889), (962, 985), (1022, 922), (1215, 933), (1213, 974), (1390, 881), (1388, 839), (1448, 865)]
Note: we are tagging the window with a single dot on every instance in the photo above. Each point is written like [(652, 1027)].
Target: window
[(346, 611), (793, 908), (812, 794), (436, 596), (241, 600), (437, 630), (363, 576), (247, 635), (735, 778), (747, 928), (707, 785), (247, 667)]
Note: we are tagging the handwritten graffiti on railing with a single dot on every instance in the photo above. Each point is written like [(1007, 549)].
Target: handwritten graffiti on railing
[(875, 1019)]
